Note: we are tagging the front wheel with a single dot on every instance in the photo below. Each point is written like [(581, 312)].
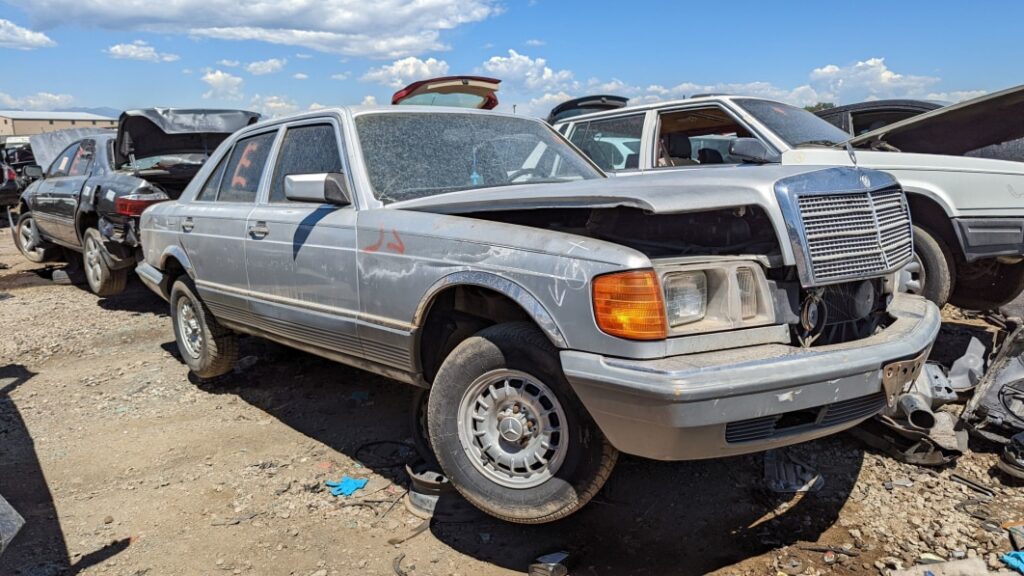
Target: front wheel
[(209, 349), (103, 280), (509, 432), (931, 272), (30, 242)]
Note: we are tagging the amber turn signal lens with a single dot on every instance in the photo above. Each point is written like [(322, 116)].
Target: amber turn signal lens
[(630, 305)]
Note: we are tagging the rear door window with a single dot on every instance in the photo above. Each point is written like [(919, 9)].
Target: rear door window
[(242, 175), (612, 143), (309, 149), (62, 164), (209, 191)]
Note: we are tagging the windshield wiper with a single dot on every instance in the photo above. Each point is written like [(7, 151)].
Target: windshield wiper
[(826, 143)]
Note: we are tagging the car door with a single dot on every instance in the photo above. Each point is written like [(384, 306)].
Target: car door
[(58, 194), (213, 226), (301, 256), (614, 143)]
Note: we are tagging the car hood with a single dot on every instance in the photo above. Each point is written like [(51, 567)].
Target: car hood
[(664, 193), (899, 162), (160, 131), (46, 146), (958, 128)]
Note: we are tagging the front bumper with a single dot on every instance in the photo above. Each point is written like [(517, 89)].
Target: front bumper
[(750, 399)]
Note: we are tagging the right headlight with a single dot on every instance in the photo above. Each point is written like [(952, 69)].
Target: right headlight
[(714, 296)]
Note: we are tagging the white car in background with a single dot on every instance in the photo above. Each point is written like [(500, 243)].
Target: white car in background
[(968, 211)]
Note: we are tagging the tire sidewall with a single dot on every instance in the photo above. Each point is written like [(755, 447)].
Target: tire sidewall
[(101, 284), (35, 257), (474, 357), (184, 289), (937, 263)]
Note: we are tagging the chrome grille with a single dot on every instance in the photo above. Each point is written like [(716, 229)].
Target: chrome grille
[(855, 235)]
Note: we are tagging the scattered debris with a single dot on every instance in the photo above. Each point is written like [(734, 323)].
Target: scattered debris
[(431, 496), (554, 564), (790, 565), (973, 485), (967, 567), (966, 371), (419, 529), (899, 482), (1014, 560), (346, 486), (396, 565), (996, 411), (1015, 530), (784, 473), (236, 520), (833, 549)]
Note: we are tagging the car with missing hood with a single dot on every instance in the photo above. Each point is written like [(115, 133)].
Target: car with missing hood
[(90, 196), (967, 205), (554, 316)]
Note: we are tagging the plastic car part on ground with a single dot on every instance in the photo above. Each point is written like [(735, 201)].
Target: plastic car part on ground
[(346, 486), (10, 523), (996, 411)]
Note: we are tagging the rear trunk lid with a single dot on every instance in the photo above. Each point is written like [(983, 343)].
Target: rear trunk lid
[(458, 91), (585, 105), (154, 132)]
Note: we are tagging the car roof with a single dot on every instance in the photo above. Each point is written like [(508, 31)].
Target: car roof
[(883, 104), (360, 110), (659, 105)]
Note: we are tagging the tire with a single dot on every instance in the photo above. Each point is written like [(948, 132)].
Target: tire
[(418, 427), (931, 272), (23, 230), (988, 284), (209, 349), (103, 280), (509, 365)]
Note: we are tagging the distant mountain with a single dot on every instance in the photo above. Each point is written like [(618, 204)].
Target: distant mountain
[(102, 111)]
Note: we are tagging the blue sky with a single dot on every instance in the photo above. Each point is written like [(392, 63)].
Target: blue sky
[(289, 55)]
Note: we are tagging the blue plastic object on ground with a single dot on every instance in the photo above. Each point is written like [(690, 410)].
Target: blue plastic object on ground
[(346, 486), (1015, 560)]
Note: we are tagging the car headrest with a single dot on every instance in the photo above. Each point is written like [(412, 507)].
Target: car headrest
[(709, 156), (678, 145)]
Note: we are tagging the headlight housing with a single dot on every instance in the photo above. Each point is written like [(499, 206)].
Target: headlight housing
[(686, 297)]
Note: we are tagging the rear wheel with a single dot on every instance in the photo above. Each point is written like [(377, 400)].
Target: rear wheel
[(103, 280), (209, 349), (509, 432), (29, 241)]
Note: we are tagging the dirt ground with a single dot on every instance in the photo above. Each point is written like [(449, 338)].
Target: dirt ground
[(123, 465)]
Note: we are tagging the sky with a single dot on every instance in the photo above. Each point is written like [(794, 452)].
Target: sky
[(285, 56)]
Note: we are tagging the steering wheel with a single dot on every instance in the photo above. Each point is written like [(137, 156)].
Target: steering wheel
[(523, 172)]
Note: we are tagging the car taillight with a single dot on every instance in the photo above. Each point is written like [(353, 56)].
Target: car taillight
[(134, 204), (630, 305), (10, 174)]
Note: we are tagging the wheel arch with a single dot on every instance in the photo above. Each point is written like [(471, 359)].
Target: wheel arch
[(443, 305), (933, 215)]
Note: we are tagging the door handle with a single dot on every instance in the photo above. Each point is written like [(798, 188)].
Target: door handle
[(259, 230), (187, 224)]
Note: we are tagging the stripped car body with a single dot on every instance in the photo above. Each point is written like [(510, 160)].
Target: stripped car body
[(392, 268), (102, 180), (968, 210)]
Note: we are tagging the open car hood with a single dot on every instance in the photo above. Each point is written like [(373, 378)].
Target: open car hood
[(48, 145), (161, 131), (956, 129)]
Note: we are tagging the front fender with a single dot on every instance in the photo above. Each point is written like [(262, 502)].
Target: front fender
[(512, 290), (178, 253)]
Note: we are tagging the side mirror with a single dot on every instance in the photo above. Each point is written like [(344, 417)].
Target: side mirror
[(32, 171), (331, 188), (751, 150)]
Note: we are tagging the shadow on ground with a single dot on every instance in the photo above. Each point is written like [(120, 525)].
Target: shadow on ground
[(651, 517), (39, 549)]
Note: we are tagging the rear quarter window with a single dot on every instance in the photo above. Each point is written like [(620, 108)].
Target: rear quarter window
[(242, 174)]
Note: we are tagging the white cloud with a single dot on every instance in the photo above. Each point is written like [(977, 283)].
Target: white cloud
[(228, 63), (381, 29), (139, 50), (14, 36), (261, 67), (316, 106), (534, 42), (955, 95), (37, 101), (341, 76), (405, 71), (300, 76), (223, 86), (369, 101), (303, 56), (186, 70), (530, 73), (273, 106), (869, 79)]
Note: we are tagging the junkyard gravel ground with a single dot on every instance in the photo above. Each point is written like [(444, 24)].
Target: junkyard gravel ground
[(123, 465)]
